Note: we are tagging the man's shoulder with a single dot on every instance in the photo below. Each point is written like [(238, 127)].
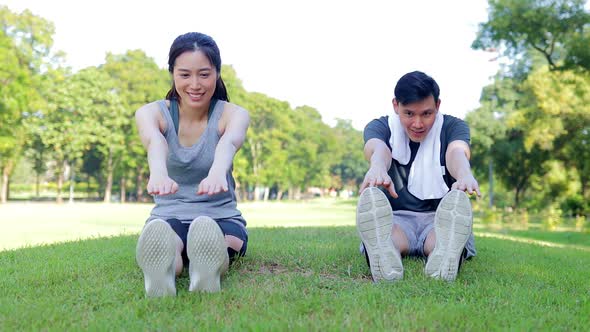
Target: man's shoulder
[(377, 128), (380, 124), (452, 122), (455, 129), (451, 119)]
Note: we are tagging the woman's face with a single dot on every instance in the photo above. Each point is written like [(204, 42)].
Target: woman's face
[(195, 79)]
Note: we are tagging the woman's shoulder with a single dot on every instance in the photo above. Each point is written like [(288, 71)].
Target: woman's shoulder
[(151, 113), (230, 109), (235, 114), (154, 106)]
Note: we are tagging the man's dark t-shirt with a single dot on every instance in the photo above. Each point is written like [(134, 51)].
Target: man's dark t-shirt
[(453, 129)]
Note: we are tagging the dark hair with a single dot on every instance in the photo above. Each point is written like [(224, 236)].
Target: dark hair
[(415, 86), (196, 41)]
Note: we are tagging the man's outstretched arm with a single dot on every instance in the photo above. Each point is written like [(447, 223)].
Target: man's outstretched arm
[(457, 160)]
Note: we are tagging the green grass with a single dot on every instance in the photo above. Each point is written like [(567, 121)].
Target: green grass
[(295, 278)]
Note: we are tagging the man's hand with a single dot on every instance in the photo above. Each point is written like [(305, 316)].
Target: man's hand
[(378, 177), (467, 184)]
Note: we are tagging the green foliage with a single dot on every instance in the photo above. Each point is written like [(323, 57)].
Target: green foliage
[(581, 223), (491, 216), (137, 80), (25, 43), (557, 29), (350, 171), (292, 149), (553, 218), (576, 205), (534, 121)]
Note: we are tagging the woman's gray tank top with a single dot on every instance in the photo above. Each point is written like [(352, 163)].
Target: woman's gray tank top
[(188, 166)]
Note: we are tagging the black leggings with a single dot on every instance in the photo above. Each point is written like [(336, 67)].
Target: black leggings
[(228, 227)]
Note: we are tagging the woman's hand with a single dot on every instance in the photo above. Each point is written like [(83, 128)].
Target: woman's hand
[(161, 185), (214, 183)]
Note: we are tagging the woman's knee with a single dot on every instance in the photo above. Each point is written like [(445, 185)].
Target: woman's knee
[(234, 242)]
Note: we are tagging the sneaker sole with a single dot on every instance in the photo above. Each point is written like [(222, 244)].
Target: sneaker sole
[(374, 221), (207, 254), (155, 254), (452, 225)]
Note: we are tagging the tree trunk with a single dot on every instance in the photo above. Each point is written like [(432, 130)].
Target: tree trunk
[(88, 186), (517, 194), (266, 193), (256, 193), (279, 194), (37, 184), (60, 183), (139, 184), (254, 148), (123, 189), (243, 192), (291, 193), (72, 183), (491, 180), (4, 190), (109, 186)]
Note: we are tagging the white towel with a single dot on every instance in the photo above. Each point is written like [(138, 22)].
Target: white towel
[(426, 174)]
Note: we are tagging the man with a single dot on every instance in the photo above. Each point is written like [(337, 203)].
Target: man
[(420, 160)]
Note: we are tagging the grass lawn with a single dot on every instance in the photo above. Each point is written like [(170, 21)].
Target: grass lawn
[(302, 272)]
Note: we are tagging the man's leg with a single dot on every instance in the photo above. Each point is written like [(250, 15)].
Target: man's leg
[(374, 221), (452, 228)]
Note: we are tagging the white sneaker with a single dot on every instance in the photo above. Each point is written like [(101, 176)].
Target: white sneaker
[(207, 254), (374, 221), (453, 223), (156, 255)]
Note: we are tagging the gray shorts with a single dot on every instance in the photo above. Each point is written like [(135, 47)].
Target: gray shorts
[(417, 226)]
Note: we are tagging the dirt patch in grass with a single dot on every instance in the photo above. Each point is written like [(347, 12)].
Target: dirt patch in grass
[(274, 268)]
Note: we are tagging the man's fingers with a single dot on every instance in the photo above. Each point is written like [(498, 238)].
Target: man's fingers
[(391, 190), (363, 186), (478, 192)]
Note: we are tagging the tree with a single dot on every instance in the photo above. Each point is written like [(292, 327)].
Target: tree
[(137, 81), (322, 141), (269, 123), (85, 110), (25, 44), (557, 29), (349, 166), (540, 99)]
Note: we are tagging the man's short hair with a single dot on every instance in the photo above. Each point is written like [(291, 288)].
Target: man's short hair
[(415, 86)]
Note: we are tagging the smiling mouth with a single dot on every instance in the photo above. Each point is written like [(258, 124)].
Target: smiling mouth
[(195, 95)]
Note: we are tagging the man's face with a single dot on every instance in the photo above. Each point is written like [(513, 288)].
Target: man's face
[(418, 117)]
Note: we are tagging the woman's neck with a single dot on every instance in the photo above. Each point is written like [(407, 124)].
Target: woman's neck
[(194, 113)]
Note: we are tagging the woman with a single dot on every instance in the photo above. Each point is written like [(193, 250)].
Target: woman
[(191, 138)]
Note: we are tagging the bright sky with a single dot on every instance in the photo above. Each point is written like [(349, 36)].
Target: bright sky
[(341, 57)]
